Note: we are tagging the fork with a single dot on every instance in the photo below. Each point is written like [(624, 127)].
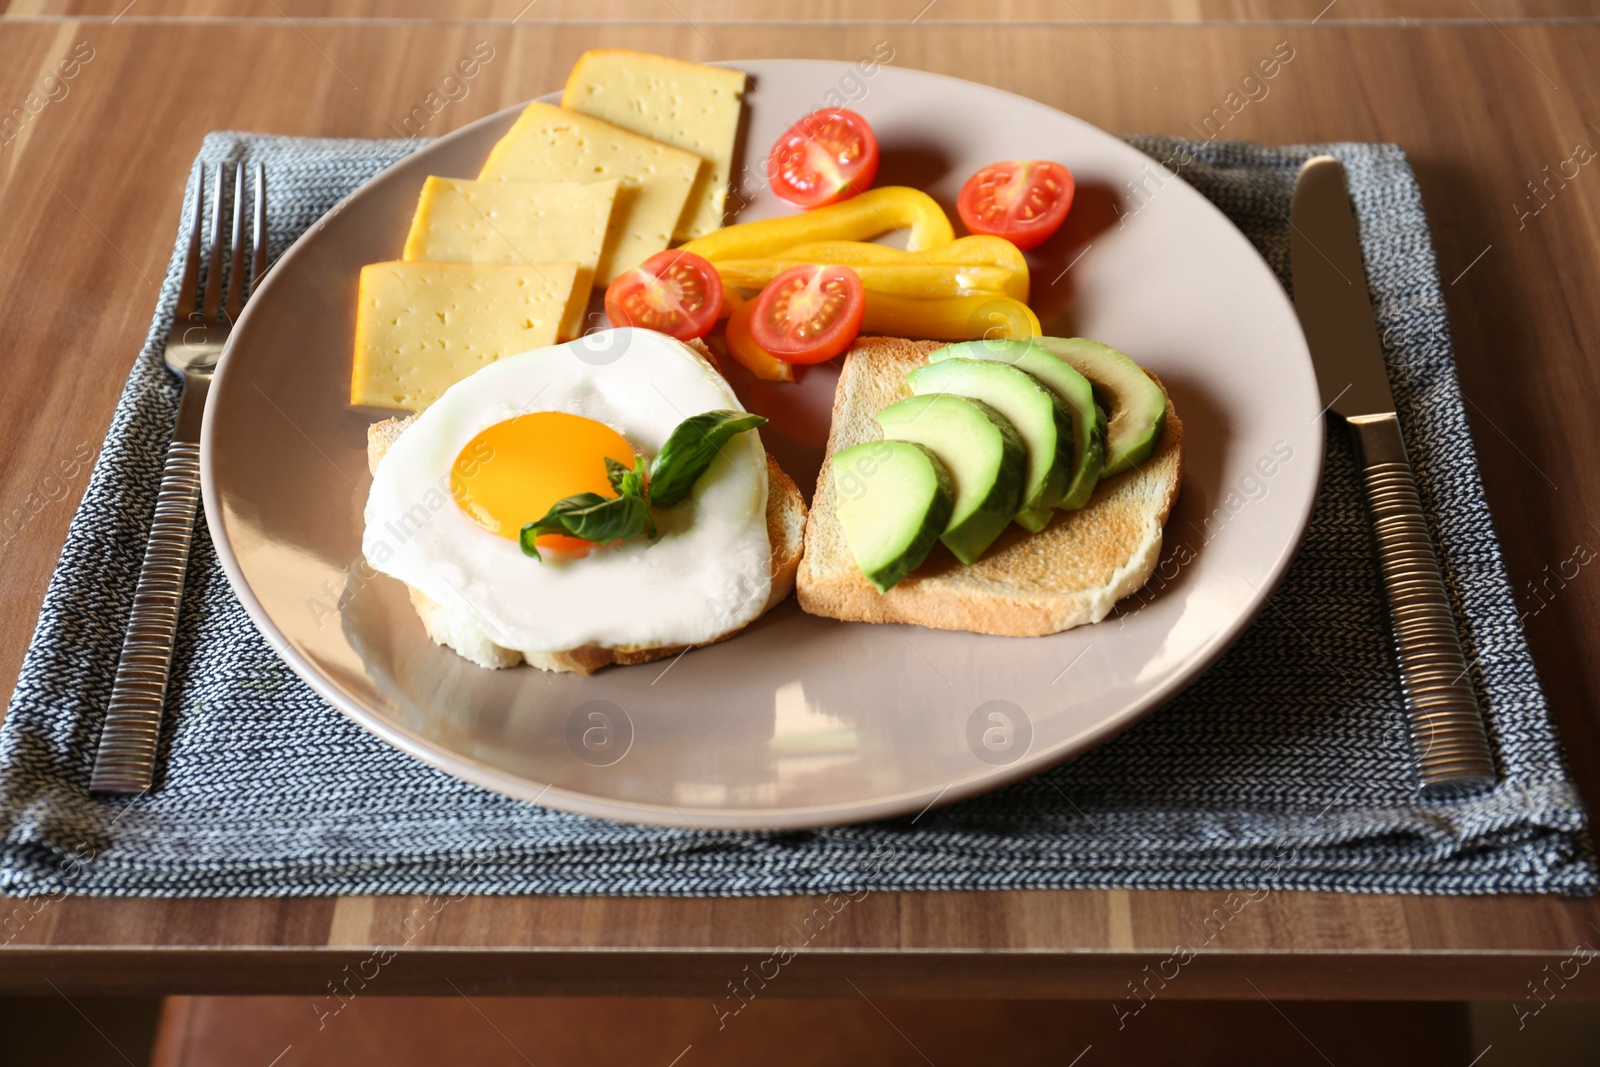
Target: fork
[(126, 757)]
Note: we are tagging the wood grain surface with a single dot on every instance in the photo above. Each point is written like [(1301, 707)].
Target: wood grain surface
[(89, 194), (812, 12), (774, 1032)]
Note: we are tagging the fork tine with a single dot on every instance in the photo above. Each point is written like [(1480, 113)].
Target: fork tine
[(189, 288), (236, 264), (212, 304), (259, 266)]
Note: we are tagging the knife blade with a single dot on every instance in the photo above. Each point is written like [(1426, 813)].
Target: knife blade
[(1444, 723), (1330, 294)]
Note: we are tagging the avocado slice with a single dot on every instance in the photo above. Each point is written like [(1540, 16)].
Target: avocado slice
[(982, 451), (1039, 416), (894, 502), (1137, 405), (1088, 418)]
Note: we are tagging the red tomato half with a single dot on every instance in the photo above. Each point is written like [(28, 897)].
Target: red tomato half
[(828, 156), (675, 292), (809, 314), (1023, 201)]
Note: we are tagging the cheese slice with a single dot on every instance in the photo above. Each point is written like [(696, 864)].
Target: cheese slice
[(552, 144), (686, 105), (460, 221), (422, 327)]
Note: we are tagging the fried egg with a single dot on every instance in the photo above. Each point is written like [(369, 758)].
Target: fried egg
[(450, 498)]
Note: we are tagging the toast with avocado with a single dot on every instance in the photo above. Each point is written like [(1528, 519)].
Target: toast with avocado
[(1000, 488)]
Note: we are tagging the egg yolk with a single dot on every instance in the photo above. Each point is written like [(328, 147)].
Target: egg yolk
[(510, 474)]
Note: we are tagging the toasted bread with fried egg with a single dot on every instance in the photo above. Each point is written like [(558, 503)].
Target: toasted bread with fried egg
[(786, 522)]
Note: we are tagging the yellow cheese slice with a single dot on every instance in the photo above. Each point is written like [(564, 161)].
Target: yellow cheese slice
[(552, 144), (460, 221), (686, 105), (422, 327)]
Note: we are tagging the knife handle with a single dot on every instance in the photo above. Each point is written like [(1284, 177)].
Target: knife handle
[(1443, 718), (126, 758)]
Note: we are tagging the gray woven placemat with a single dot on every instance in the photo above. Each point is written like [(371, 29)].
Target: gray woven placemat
[(1284, 766)]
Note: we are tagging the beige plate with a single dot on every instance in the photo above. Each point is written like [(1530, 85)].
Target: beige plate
[(799, 721)]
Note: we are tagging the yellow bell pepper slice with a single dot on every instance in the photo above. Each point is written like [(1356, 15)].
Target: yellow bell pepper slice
[(743, 348), (975, 251), (903, 279), (966, 265), (950, 318), (874, 212)]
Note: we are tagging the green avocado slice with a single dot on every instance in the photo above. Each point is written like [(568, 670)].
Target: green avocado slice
[(982, 451), (1136, 403), (894, 502), (1088, 419), (1040, 418)]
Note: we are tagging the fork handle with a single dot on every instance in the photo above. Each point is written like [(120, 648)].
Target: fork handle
[(126, 758), (1444, 722)]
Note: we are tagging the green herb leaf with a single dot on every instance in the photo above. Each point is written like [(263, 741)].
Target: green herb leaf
[(689, 450), (632, 483), (592, 517), (617, 473), (598, 518)]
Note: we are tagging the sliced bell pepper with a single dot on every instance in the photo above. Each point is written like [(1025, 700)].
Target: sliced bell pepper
[(977, 251), (743, 348), (950, 318), (907, 278), (874, 212)]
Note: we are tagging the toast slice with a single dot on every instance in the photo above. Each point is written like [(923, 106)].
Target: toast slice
[(1025, 585), (786, 523)]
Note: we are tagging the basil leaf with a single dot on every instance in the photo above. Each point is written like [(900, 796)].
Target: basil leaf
[(617, 473), (631, 483), (592, 517), (689, 450)]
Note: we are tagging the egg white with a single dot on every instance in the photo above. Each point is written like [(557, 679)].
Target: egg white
[(708, 572)]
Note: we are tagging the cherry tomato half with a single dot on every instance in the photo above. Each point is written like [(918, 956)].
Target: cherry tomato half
[(675, 292), (809, 313), (1023, 201), (828, 156)]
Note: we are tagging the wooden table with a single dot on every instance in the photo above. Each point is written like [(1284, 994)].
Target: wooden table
[(89, 195)]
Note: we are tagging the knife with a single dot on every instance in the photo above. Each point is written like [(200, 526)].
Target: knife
[(1444, 721)]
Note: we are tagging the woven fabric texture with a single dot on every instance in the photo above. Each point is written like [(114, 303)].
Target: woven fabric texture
[(1284, 766)]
